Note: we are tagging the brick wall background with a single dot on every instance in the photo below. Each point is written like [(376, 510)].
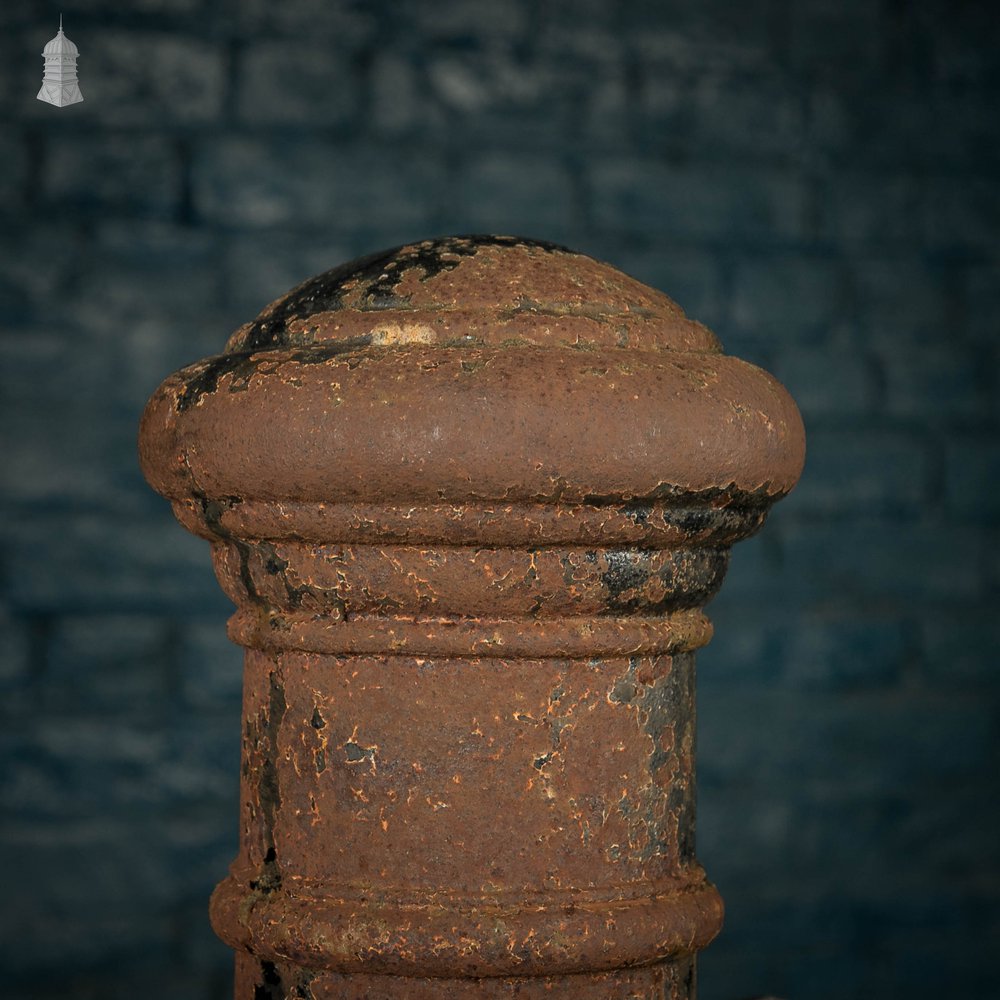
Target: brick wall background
[(815, 179)]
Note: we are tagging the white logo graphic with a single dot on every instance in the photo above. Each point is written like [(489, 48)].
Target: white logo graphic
[(59, 86)]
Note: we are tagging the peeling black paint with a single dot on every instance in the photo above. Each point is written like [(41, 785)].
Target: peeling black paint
[(274, 565), (668, 701), (688, 578), (355, 753), (626, 571), (303, 988), (637, 513), (378, 275), (212, 511), (269, 877), (268, 786), (270, 986), (713, 498), (244, 363)]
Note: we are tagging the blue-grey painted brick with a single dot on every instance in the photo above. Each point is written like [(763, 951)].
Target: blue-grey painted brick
[(721, 113), (520, 195), (17, 669), (965, 41), (154, 339), (710, 43), (65, 438), (742, 965), (861, 560), (204, 955), (982, 301), (78, 768), (791, 299), (834, 653), (906, 300), (758, 117), (972, 477), (311, 182), (859, 743), (863, 470), (835, 41), (166, 6), (13, 167), (106, 886), (930, 958), (494, 81), (593, 80), (152, 979), (143, 78), (307, 81), (966, 128), (904, 822), (75, 768), (748, 647), (107, 664), (159, 286), (201, 842), (59, 461), (150, 295), (98, 174), (161, 246), (755, 573), (398, 104), (498, 20), (842, 850), (103, 564), (38, 263), (991, 542), (497, 98), (711, 22), (871, 209), (896, 128), (827, 383), (30, 350), (817, 835), (210, 665), (201, 762), (961, 652), (352, 24), (962, 213), (652, 198), (21, 55), (938, 385)]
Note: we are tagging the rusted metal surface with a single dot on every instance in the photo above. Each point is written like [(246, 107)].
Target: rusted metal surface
[(469, 497)]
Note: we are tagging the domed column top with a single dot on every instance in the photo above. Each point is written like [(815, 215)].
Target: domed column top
[(473, 369)]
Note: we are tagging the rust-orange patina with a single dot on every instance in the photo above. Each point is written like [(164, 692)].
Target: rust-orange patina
[(469, 496)]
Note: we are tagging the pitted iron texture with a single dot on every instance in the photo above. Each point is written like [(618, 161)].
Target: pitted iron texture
[(469, 497)]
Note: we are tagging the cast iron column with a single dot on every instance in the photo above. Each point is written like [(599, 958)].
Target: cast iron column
[(469, 497)]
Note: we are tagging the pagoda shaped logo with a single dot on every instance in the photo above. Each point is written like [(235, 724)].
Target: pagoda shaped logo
[(59, 85)]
